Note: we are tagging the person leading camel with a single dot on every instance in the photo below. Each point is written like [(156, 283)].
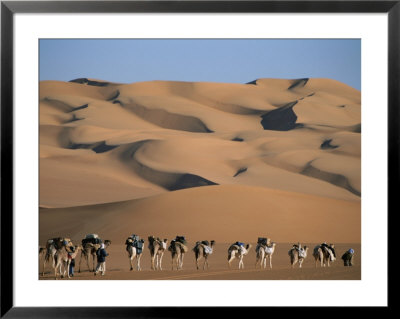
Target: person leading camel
[(101, 260)]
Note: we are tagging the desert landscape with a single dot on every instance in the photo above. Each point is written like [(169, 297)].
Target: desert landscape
[(276, 158)]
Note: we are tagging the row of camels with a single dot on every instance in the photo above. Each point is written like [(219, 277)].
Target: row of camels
[(61, 251), (57, 249)]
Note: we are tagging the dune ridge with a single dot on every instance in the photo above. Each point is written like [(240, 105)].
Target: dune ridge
[(276, 156)]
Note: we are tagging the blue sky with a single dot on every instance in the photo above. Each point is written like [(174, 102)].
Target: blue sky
[(221, 60)]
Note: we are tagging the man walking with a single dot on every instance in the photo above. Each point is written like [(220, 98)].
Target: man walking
[(101, 260)]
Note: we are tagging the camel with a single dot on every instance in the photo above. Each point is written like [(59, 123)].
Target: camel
[(52, 246), (89, 249), (324, 254), (202, 250), (63, 262), (134, 252), (157, 248), (297, 254), (264, 252), (178, 251), (236, 251)]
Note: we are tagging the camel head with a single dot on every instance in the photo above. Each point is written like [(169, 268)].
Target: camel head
[(107, 243), (248, 246), (212, 243)]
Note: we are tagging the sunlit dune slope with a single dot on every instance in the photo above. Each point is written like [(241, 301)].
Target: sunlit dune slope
[(107, 142), (222, 212)]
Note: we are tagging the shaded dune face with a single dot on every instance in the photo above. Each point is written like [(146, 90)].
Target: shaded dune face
[(151, 138), (282, 119)]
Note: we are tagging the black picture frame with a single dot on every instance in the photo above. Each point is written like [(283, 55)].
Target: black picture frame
[(9, 8)]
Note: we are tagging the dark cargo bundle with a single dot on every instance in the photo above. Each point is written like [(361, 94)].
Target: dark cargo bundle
[(181, 239), (205, 242), (172, 245), (135, 237), (94, 241), (139, 246), (262, 241), (238, 243)]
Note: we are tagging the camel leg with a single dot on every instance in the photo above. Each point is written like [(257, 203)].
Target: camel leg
[(130, 262), (197, 258), (230, 259), (270, 261), (93, 259), (181, 261), (80, 260), (162, 254), (68, 274), (138, 262), (44, 263)]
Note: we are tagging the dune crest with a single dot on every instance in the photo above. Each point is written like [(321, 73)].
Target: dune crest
[(265, 156)]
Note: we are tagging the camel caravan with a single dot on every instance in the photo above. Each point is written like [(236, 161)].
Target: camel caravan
[(62, 253)]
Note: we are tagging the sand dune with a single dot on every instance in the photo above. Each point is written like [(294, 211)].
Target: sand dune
[(224, 213), (228, 161)]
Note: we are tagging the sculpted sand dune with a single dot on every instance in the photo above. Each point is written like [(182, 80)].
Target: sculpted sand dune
[(221, 212), (273, 156)]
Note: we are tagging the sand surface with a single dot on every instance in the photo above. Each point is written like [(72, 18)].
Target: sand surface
[(273, 158)]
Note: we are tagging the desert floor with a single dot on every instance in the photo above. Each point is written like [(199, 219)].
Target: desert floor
[(117, 267)]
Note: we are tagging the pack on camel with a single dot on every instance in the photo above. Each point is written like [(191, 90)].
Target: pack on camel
[(52, 246), (178, 249), (62, 262), (203, 249), (297, 254), (134, 247), (90, 244), (264, 249), (324, 254), (238, 250), (157, 248)]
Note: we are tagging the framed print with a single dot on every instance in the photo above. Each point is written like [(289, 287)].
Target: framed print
[(163, 155)]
